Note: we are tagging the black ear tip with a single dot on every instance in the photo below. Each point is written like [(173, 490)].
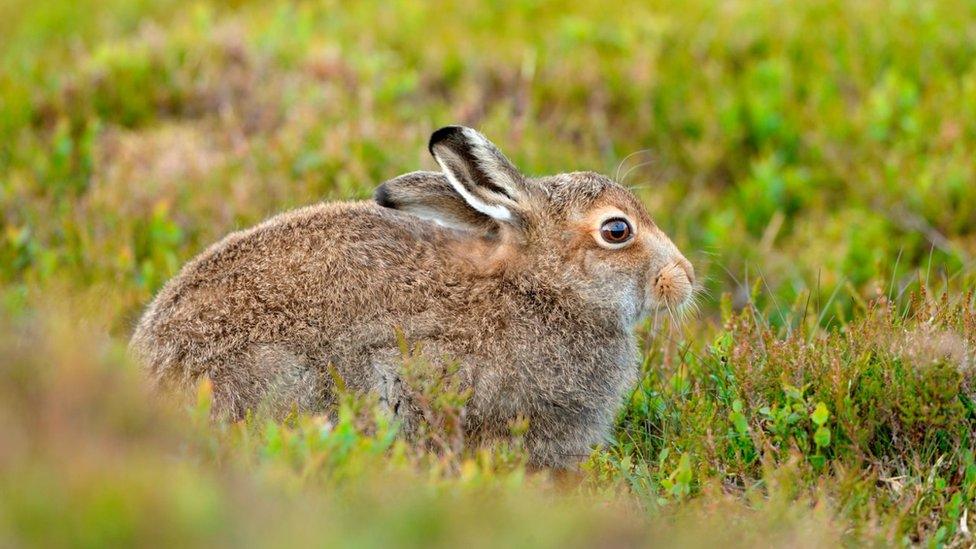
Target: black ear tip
[(443, 134), (382, 197)]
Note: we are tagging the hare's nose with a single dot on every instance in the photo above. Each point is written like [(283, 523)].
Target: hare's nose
[(674, 282)]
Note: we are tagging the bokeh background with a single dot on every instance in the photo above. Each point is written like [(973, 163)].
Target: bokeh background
[(815, 160)]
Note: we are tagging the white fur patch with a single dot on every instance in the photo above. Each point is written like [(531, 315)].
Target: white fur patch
[(498, 212), (630, 304), (432, 214)]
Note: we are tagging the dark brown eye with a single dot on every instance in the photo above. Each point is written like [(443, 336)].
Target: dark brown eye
[(616, 231)]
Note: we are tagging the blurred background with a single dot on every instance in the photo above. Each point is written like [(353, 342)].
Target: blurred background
[(809, 157)]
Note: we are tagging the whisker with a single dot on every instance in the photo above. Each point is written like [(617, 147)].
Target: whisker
[(633, 188), (632, 168), (734, 279), (699, 290), (620, 164), (675, 323)]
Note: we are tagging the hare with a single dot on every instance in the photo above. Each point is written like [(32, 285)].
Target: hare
[(531, 285)]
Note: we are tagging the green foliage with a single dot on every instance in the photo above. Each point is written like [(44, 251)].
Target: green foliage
[(886, 400), (814, 160)]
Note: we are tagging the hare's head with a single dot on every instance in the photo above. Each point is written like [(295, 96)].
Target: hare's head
[(579, 230)]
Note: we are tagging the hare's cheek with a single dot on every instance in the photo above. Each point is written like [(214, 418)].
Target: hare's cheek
[(630, 300), (593, 265), (621, 289)]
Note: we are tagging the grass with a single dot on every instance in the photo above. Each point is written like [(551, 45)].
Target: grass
[(813, 159)]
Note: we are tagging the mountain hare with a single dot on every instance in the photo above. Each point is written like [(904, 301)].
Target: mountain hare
[(531, 286)]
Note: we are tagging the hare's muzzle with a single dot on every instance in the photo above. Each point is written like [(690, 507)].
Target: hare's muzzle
[(674, 283)]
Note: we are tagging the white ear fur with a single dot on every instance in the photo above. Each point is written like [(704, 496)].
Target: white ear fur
[(497, 211), (479, 172)]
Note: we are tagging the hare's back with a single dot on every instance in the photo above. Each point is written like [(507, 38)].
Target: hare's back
[(311, 273)]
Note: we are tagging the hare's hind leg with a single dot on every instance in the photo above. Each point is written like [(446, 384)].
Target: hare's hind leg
[(565, 442), (268, 379), (391, 390)]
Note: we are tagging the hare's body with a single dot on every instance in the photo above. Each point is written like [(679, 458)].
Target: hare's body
[(273, 313)]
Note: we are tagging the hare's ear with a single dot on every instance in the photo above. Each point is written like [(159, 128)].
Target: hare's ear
[(431, 196), (480, 173)]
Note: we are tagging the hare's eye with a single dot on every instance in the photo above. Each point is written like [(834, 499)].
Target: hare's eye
[(616, 231)]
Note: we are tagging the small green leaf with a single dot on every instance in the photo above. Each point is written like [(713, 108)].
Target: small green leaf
[(683, 472), (822, 437), (820, 414), (722, 343), (678, 482), (739, 422)]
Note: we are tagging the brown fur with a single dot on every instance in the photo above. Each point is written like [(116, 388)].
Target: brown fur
[(538, 314)]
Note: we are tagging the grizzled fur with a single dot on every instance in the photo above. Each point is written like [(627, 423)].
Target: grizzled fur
[(479, 264)]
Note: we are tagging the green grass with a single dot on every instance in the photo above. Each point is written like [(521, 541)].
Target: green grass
[(813, 159)]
